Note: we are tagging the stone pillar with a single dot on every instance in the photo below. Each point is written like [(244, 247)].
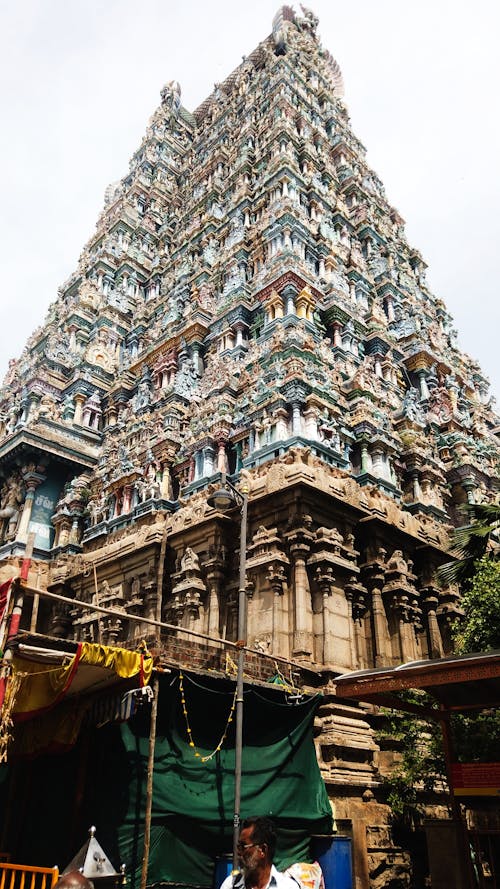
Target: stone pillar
[(311, 423), (288, 295), (417, 493), (380, 629), (239, 333), (197, 359), (300, 540), (377, 462), (281, 416), (357, 599), (469, 486), (32, 480), (277, 580), (150, 601), (365, 458), (111, 415), (199, 462), (208, 461), (424, 391), (430, 600), (239, 455), (375, 575), (296, 418), (215, 576), (79, 402), (325, 581), (405, 629), (127, 499)]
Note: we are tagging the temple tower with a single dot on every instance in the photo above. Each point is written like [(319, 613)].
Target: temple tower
[(249, 305)]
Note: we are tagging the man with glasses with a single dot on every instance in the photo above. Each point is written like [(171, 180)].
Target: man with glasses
[(256, 848)]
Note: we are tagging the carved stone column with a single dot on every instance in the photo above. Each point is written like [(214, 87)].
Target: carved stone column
[(357, 599), (325, 581), (277, 581), (402, 597), (127, 499), (300, 540), (32, 480), (374, 575), (189, 591), (430, 600), (296, 393), (80, 400), (267, 564), (215, 576)]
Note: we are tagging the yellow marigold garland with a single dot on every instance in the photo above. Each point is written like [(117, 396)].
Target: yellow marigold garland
[(192, 744)]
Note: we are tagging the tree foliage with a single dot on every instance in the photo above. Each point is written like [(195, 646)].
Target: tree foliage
[(470, 543), (480, 628), (421, 768)]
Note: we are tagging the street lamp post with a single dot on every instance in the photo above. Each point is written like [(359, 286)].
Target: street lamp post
[(223, 499)]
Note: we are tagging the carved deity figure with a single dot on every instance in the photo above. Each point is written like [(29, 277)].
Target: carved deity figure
[(410, 407), (171, 95), (97, 509), (11, 498), (190, 561)]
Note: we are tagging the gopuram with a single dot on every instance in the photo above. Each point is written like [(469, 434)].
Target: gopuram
[(249, 305)]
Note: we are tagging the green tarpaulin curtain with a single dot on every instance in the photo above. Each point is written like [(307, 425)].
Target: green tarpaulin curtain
[(192, 800)]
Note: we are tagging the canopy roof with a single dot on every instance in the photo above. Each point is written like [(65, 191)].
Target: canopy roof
[(457, 684)]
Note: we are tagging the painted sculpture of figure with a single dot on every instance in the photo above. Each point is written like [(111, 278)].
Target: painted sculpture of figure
[(410, 407), (143, 397), (328, 430), (10, 501), (97, 509), (151, 483)]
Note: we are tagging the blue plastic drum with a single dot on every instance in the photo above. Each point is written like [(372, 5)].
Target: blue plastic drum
[(335, 857), (223, 867)]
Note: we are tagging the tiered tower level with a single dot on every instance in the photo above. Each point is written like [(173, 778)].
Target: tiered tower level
[(248, 304)]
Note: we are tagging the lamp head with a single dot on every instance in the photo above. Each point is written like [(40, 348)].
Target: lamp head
[(222, 499)]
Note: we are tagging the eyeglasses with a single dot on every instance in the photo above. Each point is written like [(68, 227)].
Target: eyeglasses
[(242, 846)]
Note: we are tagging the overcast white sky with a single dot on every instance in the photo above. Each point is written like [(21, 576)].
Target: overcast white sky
[(80, 78)]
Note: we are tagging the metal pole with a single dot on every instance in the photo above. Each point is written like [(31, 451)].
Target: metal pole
[(242, 628), (149, 783)]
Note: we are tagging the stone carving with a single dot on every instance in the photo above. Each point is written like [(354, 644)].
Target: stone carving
[(191, 341), (11, 498), (98, 508)]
